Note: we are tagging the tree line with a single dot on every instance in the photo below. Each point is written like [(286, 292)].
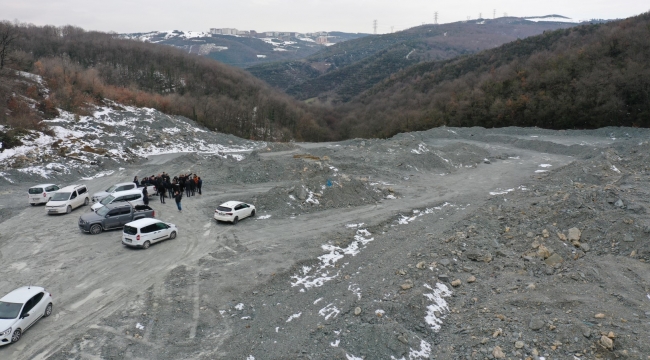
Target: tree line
[(585, 77)]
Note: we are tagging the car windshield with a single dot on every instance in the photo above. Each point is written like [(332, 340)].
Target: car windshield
[(102, 211), (35, 190), (61, 196), (9, 310), (223, 208), (130, 230), (107, 200), (111, 189)]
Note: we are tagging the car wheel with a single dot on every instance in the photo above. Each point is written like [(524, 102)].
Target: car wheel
[(16, 336), (253, 213), (146, 245), (235, 220), (86, 202), (95, 229), (172, 236), (68, 210), (48, 310), (32, 204)]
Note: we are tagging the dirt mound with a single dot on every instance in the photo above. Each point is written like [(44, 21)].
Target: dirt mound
[(320, 193)]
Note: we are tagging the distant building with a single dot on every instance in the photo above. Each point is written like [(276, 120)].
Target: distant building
[(322, 40), (224, 31)]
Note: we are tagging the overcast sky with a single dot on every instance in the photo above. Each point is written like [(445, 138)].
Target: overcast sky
[(124, 16)]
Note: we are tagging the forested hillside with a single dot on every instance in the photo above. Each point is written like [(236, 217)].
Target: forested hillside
[(584, 77), (343, 71), (82, 68)]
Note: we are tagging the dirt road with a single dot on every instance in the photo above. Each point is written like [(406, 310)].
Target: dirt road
[(211, 293)]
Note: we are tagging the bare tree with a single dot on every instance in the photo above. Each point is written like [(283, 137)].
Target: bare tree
[(8, 35)]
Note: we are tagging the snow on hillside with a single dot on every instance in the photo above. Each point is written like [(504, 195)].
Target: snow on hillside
[(159, 36), (113, 134), (550, 18)]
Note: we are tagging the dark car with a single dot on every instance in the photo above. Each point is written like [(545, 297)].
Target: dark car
[(113, 216)]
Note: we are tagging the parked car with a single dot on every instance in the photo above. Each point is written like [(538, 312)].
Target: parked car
[(21, 309), (68, 198), (233, 211), (144, 232), (133, 197), (113, 216), (40, 194), (98, 196)]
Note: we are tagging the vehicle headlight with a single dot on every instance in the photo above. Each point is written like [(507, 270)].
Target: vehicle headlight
[(6, 332)]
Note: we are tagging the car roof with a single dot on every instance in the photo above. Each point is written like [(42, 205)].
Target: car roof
[(70, 188), (127, 192), (42, 185), (140, 223), (22, 294), (124, 183), (231, 203)]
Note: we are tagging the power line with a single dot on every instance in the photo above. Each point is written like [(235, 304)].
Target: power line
[(494, 14), (374, 25), (435, 18)]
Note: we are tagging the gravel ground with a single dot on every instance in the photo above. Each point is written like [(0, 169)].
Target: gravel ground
[(445, 244)]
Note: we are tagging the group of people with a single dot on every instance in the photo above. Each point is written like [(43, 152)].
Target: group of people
[(166, 187)]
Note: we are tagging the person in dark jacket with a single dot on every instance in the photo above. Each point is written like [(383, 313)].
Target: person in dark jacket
[(178, 196), (161, 192), (192, 186), (199, 184), (136, 181), (187, 186), (145, 195), (181, 182)]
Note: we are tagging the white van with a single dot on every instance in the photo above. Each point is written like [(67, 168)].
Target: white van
[(144, 232), (41, 194), (68, 198), (133, 197)]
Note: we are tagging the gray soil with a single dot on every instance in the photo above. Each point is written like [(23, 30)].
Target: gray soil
[(444, 244)]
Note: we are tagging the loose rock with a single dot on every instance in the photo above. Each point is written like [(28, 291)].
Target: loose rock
[(498, 353)]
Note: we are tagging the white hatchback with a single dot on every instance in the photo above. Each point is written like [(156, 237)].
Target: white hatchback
[(21, 309), (144, 232), (68, 198), (233, 211), (40, 194)]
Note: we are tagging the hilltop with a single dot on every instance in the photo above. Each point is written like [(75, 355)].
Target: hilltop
[(343, 71), (247, 49)]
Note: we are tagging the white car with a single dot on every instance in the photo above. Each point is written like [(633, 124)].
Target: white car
[(133, 197), (68, 198), (98, 196), (20, 309), (40, 194), (144, 232), (233, 211)]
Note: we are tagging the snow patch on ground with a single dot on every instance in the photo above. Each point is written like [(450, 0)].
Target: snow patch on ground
[(438, 305), (317, 276), (501, 192), (294, 316)]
